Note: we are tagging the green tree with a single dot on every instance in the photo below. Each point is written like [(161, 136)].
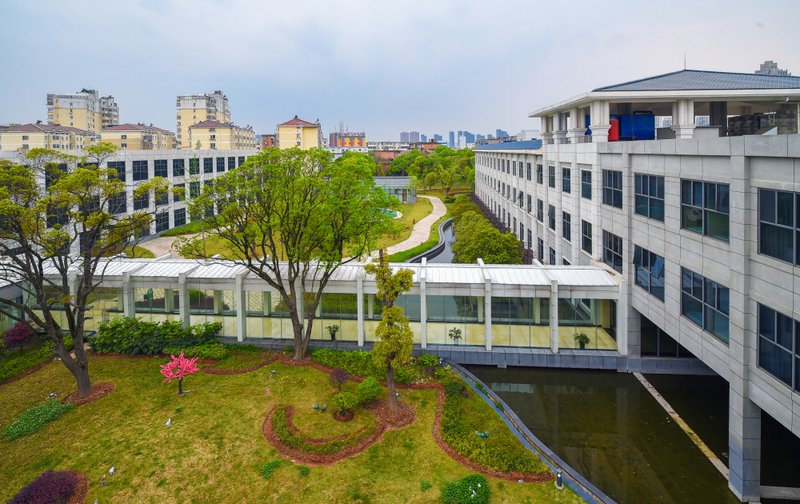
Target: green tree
[(430, 180), (58, 223), (477, 238), (394, 340), (292, 217)]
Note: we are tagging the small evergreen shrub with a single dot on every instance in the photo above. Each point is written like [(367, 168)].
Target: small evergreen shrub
[(425, 486), (356, 363), (304, 470), (428, 362), (368, 390), (35, 418), (344, 402), (472, 489), (269, 467), (215, 351), (49, 488)]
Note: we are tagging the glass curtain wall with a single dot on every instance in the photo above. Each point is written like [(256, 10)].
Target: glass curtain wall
[(455, 320), (523, 322), (208, 305), (373, 310), (593, 318)]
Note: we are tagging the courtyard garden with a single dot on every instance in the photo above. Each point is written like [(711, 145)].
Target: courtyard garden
[(255, 426)]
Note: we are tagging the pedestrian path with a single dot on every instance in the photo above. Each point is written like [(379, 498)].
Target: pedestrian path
[(163, 245), (422, 229)]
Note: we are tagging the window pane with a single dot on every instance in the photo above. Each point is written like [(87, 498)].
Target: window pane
[(657, 209), (786, 208), (766, 203), (692, 308), (766, 322), (717, 225), (776, 242), (692, 218), (783, 331), (775, 360)]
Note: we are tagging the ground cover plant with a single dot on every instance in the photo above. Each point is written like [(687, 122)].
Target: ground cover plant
[(215, 449), (35, 418)]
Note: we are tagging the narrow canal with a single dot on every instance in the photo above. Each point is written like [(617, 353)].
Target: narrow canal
[(609, 428), (449, 237)]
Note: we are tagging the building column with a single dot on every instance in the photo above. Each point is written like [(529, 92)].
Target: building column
[(554, 342), (360, 309), (183, 300), (683, 118), (577, 119), (169, 300), (266, 303), (599, 121), (423, 310), (487, 311), (241, 309), (622, 319), (744, 446), (127, 296)]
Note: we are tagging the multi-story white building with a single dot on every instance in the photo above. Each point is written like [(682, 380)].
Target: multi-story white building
[(701, 224)]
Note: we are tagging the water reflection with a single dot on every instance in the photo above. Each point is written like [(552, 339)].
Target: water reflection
[(446, 255), (607, 426)]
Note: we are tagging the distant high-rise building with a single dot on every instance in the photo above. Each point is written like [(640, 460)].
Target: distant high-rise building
[(404, 137), (498, 133), (452, 142), (267, 140), (196, 108), (84, 110), (423, 138), (437, 138), (770, 67), (490, 137), (479, 137), (413, 136)]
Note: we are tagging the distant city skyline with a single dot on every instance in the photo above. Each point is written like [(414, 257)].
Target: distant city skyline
[(374, 66)]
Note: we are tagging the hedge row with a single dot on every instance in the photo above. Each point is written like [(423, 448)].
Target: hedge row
[(127, 335)]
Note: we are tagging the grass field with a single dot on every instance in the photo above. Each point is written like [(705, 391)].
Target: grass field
[(214, 450)]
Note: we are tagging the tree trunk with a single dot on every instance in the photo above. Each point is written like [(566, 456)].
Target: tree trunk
[(393, 404), (79, 370), (180, 386)]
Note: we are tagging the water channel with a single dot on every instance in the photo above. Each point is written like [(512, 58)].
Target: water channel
[(609, 428)]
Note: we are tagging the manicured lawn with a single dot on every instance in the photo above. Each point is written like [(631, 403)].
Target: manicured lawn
[(214, 450), (136, 251)]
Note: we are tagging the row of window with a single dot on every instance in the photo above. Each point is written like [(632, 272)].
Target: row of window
[(140, 168)]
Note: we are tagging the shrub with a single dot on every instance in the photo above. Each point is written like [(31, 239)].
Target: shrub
[(49, 488), (425, 486), (18, 363), (428, 360), (266, 469), (304, 470), (337, 378), (215, 351), (472, 489), (132, 336), (35, 418), (368, 390), (18, 335), (344, 402)]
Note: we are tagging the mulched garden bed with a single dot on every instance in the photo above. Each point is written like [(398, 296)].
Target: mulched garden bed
[(97, 392)]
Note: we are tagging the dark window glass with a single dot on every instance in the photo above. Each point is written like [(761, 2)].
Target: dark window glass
[(119, 166), (566, 226), (777, 224), (118, 204), (160, 168), (141, 202), (612, 188), (586, 184), (705, 303), (178, 168), (612, 250), (162, 221), (194, 189), (566, 180), (539, 174), (552, 256), (194, 166), (705, 208), (551, 217), (179, 215), (179, 193), (539, 210), (649, 196), (139, 170), (586, 237), (220, 164), (649, 271), (208, 165), (551, 176)]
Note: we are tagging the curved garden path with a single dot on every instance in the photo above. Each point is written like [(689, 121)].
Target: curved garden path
[(422, 229)]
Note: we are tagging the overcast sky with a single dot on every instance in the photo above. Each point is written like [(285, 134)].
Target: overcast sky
[(378, 66)]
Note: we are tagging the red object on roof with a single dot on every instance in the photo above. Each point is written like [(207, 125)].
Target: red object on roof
[(298, 122)]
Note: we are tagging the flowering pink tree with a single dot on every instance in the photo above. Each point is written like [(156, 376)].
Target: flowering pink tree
[(179, 367)]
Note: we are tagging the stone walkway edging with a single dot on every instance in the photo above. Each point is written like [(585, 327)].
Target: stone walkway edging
[(571, 477)]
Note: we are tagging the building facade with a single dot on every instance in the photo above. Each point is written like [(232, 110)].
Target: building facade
[(215, 135), (348, 139), (85, 110), (23, 137), (196, 108), (139, 137), (299, 133), (697, 223)]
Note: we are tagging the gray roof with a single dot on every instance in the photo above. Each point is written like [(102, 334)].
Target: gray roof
[(698, 80)]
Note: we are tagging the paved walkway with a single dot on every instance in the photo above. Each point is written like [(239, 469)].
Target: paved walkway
[(422, 229), (163, 245)]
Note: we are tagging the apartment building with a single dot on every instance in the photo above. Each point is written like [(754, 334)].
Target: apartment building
[(196, 108), (215, 135), (139, 137), (85, 110), (298, 133), (702, 224), (23, 137)]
